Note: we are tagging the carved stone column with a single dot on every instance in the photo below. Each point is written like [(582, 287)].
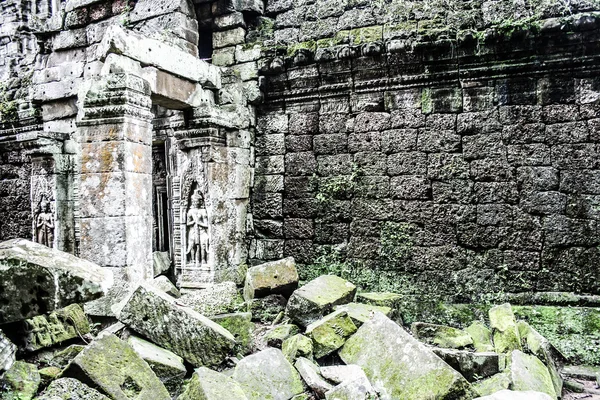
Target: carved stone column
[(116, 176)]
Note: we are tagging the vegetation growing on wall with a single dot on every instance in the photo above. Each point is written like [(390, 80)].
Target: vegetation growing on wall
[(8, 106)]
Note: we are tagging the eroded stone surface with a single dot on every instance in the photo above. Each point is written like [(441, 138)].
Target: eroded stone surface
[(72, 389), (7, 353), (309, 372), (528, 373), (443, 336), (330, 333), (276, 277), (506, 333), (207, 384), (21, 381), (61, 325)]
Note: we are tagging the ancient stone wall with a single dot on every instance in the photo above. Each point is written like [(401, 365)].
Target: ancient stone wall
[(434, 150)]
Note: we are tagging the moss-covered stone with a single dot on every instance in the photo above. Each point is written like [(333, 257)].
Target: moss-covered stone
[(20, 382), (240, 325), (493, 384), (360, 313), (506, 333), (221, 298), (472, 366), (277, 335), (268, 308), (367, 34), (380, 299), (64, 357), (48, 374), (275, 277), (61, 325), (207, 384), (111, 366), (529, 373), (310, 45), (330, 333), (297, 346), (481, 335), (70, 389), (443, 336)]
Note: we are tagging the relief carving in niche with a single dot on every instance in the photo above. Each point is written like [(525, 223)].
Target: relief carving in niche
[(197, 232), (43, 210)]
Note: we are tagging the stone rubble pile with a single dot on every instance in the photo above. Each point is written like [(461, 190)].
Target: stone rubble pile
[(277, 341)]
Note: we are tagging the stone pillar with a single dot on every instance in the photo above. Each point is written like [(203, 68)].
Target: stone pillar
[(115, 192)]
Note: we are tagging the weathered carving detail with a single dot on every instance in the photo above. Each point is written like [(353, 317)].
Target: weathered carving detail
[(43, 208), (45, 331), (44, 223), (197, 225)]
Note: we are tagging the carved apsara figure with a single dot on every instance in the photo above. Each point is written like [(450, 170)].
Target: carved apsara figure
[(197, 223), (44, 224)]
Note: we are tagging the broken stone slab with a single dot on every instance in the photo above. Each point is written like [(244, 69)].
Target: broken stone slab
[(112, 367), (529, 373), (359, 389), (275, 277), (163, 283), (240, 325), (297, 346), (268, 308), (160, 262), (167, 365), (309, 372), (473, 366), (185, 332), (440, 335), (222, 298), (48, 330), (398, 365), (62, 358), (158, 54), (7, 353), (318, 297), (102, 307), (268, 375), (207, 384), (35, 279), (587, 372), (343, 373), (48, 374), (20, 382), (482, 337), (72, 389), (330, 333), (506, 333), (277, 335), (380, 299), (516, 395), (360, 313), (486, 387)]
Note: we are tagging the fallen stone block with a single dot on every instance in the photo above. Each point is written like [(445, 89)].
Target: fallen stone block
[(472, 366), (48, 374), (72, 389), (7, 353), (528, 373), (240, 325), (102, 307), (163, 283), (297, 346), (516, 395), (207, 384), (399, 366), (35, 280), (62, 325), (222, 298), (268, 308), (443, 336), (20, 382), (64, 357), (160, 262), (496, 383), (359, 389), (276, 277), (309, 372), (112, 367), (360, 313), (343, 373), (190, 335), (506, 333), (380, 299), (330, 333), (167, 365), (318, 297), (268, 375), (482, 337), (280, 333)]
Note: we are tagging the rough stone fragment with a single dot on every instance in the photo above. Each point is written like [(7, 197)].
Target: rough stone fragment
[(330, 333), (207, 384), (398, 365), (64, 357), (506, 332), (277, 335), (190, 335), (343, 373), (45, 331), (268, 375), (516, 395), (111, 366), (222, 298), (240, 325), (72, 389), (102, 307), (167, 366), (358, 389), (7, 353), (529, 373), (381, 299), (276, 277), (267, 308), (471, 365), (317, 298), (297, 346), (35, 279), (48, 374), (443, 336), (481, 335), (309, 372), (163, 283), (493, 384), (160, 262), (20, 382), (360, 313)]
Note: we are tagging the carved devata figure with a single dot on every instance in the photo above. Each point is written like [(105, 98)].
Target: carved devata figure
[(197, 225), (44, 223)]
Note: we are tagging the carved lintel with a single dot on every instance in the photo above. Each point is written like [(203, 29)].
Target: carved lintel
[(193, 138)]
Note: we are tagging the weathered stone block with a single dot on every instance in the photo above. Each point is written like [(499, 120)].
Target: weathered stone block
[(240, 325), (35, 279), (280, 333), (481, 335), (309, 372), (72, 389), (297, 346), (229, 38), (473, 366), (529, 373), (330, 333), (211, 385), (276, 277), (206, 343), (361, 313), (61, 325), (7, 353), (506, 332), (20, 382)]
